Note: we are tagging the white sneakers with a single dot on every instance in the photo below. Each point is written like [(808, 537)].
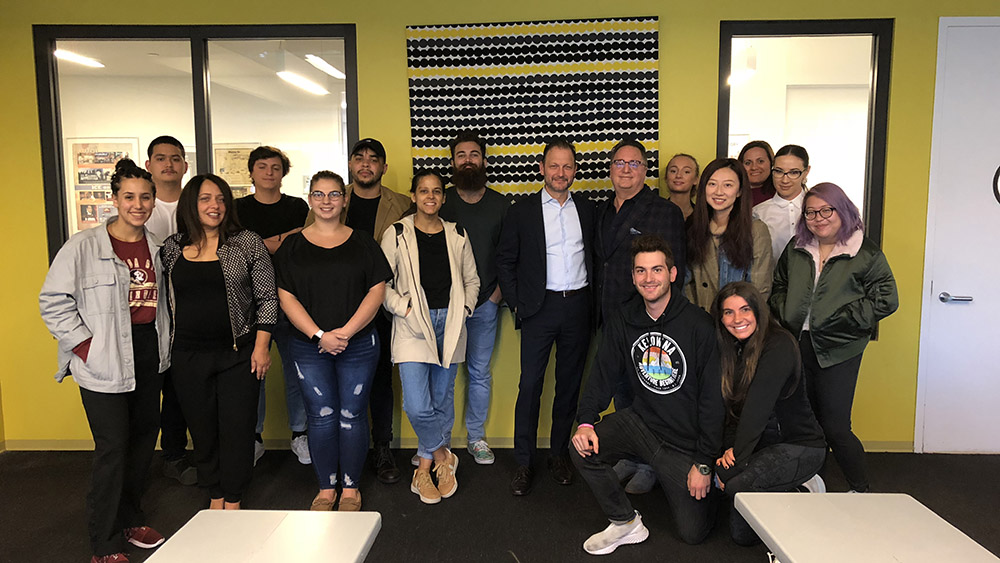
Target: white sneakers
[(815, 484), (603, 543), (300, 447)]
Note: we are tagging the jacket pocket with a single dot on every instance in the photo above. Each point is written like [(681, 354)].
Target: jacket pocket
[(100, 294)]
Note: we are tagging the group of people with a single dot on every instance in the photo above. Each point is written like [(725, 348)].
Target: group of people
[(723, 327)]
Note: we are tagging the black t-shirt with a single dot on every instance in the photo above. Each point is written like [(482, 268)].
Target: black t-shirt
[(269, 219), (331, 283), (361, 214), (482, 220), (201, 313), (435, 273)]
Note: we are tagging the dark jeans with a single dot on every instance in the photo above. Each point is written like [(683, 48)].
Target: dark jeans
[(335, 391), (565, 322), (218, 394), (623, 434), (777, 468), (173, 427), (381, 402), (831, 394), (124, 426)]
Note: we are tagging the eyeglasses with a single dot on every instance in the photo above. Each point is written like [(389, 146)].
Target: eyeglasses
[(824, 212), (318, 195), (633, 164), (794, 174)]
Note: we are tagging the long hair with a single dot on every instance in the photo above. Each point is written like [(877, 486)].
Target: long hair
[(737, 241), (739, 359), (189, 224), (768, 185), (850, 217)]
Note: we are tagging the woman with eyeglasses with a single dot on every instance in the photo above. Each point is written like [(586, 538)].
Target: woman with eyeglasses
[(757, 158), (725, 243), (331, 282), (831, 286), (761, 384), (782, 212), (434, 289), (222, 297), (681, 176)]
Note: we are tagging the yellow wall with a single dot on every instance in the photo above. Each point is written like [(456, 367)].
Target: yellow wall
[(37, 413)]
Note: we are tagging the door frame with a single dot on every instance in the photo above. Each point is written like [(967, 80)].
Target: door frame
[(927, 295)]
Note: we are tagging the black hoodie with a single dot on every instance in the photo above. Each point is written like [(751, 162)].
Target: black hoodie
[(672, 366)]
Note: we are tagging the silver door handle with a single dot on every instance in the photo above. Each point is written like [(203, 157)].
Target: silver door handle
[(946, 297)]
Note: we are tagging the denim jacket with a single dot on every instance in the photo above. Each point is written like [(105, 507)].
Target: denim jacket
[(85, 295)]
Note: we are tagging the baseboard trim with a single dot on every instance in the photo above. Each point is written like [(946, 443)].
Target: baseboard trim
[(889, 446)]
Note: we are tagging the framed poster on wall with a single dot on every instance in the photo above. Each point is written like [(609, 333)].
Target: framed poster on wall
[(231, 165), (90, 162)]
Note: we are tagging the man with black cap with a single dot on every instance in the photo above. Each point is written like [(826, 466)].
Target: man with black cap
[(371, 207)]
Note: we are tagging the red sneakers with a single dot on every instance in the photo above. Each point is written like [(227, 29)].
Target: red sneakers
[(144, 537), (113, 558)]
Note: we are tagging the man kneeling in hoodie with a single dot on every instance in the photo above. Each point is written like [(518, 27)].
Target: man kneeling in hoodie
[(666, 348)]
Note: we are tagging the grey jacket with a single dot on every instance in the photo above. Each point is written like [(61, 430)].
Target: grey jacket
[(85, 295)]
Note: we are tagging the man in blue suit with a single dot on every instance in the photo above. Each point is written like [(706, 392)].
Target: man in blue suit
[(544, 264)]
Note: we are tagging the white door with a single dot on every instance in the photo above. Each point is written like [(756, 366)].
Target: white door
[(958, 385)]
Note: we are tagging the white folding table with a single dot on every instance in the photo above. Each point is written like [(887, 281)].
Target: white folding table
[(258, 536), (837, 527)]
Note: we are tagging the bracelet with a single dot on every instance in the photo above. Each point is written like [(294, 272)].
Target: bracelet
[(585, 425)]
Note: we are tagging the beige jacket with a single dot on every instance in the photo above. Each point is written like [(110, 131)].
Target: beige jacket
[(391, 207), (704, 284), (413, 338)]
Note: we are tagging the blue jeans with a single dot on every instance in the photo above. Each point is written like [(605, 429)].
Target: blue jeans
[(429, 395), (335, 392), (281, 335), (481, 336)]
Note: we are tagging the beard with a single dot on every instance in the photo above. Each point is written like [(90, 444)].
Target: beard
[(469, 178), (367, 183)]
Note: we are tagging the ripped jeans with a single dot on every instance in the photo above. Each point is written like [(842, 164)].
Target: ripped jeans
[(335, 393)]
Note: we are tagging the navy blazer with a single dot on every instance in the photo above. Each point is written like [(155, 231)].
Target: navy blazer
[(521, 253)]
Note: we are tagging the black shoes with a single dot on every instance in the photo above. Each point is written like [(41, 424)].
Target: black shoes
[(521, 484), (385, 465), (559, 468)]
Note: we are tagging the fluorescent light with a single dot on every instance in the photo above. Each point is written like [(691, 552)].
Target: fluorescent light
[(303, 82), (324, 66), (741, 76), (78, 59)]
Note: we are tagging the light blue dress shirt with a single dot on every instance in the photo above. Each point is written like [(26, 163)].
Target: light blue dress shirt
[(565, 268)]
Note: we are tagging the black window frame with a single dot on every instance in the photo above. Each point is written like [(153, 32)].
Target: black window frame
[(47, 85), (881, 31)]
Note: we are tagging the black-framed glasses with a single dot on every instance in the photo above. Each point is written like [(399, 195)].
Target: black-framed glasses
[(794, 173), (320, 196), (633, 164), (824, 212)]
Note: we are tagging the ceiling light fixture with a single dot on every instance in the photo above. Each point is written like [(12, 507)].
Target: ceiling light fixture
[(72, 57), (324, 66), (302, 82)]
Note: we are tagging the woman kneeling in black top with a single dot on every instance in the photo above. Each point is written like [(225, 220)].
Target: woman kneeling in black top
[(772, 438)]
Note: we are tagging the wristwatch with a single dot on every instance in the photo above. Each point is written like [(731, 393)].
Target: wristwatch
[(703, 469), (316, 337)]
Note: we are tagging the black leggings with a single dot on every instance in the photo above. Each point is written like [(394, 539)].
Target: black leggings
[(831, 394)]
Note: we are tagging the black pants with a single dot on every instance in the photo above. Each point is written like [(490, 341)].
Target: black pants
[(380, 401), (218, 394), (124, 426), (173, 427), (777, 468), (623, 434), (565, 322), (831, 393)]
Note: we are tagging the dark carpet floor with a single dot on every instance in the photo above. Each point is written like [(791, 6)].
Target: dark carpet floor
[(42, 509)]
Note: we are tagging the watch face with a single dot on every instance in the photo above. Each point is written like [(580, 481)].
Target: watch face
[(704, 469)]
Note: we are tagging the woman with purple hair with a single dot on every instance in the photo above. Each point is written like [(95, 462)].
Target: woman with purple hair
[(831, 286)]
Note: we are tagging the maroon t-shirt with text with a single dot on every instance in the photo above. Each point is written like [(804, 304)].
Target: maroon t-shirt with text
[(142, 291)]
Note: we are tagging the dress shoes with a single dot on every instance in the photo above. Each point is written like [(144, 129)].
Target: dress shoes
[(560, 470), (521, 484)]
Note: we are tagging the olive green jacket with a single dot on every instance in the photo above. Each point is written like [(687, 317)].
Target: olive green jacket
[(854, 290)]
